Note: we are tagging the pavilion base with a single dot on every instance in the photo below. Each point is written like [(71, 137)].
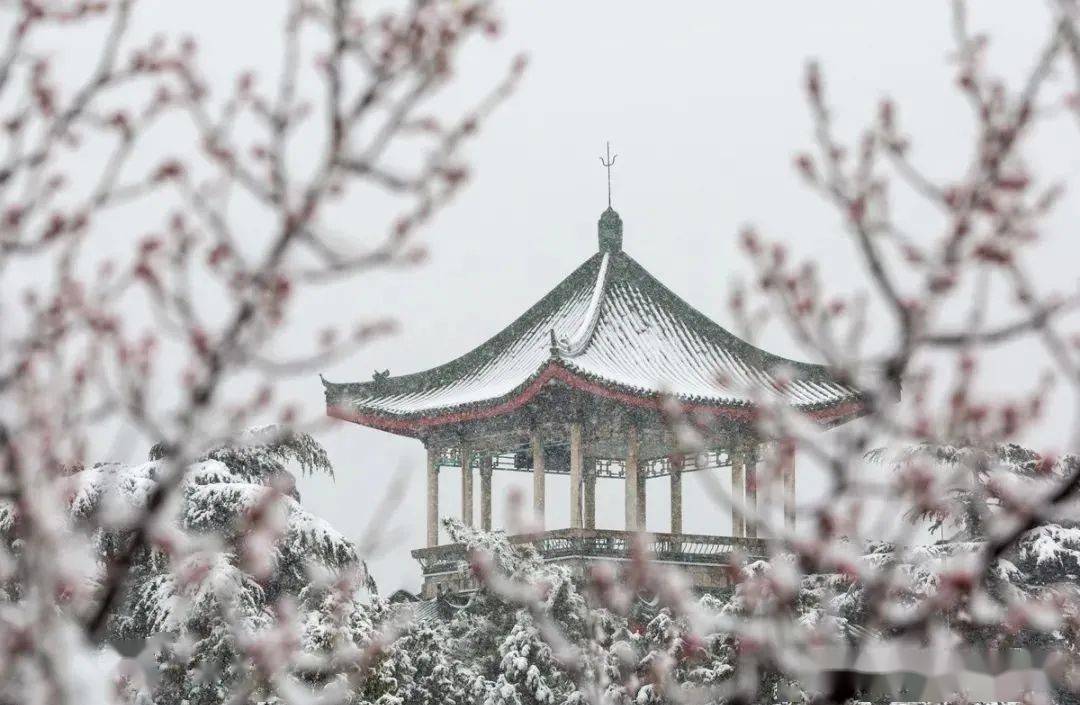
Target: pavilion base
[(703, 558)]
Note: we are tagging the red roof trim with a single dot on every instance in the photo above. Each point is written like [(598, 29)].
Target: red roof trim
[(415, 425), (552, 370)]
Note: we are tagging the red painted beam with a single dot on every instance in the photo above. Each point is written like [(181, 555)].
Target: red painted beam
[(415, 426)]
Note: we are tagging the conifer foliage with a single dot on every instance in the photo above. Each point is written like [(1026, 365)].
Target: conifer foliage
[(239, 554)]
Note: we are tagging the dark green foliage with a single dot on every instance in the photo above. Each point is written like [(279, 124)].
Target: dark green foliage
[(202, 597)]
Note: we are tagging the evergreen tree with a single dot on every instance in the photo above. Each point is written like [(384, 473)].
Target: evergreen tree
[(241, 548)]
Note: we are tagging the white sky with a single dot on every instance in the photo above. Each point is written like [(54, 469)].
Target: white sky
[(703, 104)]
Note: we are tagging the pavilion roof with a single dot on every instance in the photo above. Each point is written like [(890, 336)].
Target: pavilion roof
[(609, 328)]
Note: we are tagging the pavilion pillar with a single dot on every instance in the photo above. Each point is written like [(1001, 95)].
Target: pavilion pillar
[(789, 493), (738, 490), (642, 503), (485, 492), (631, 481), (577, 464), (751, 493), (433, 461), (538, 477), (590, 494), (466, 486), (676, 499)]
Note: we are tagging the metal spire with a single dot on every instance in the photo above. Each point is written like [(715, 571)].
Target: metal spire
[(608, 163)]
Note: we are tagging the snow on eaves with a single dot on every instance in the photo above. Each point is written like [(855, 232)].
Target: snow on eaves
[(614, 324)]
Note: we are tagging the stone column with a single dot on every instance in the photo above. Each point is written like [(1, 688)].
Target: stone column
[(485, 492), (433, 460), (466, 486), (789, 494), (590, 494), (577, 464), (738, 490), (676, 499), (751, 492), (538, 477), (631, 481)]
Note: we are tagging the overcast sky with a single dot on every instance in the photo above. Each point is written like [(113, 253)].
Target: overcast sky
[(703, 104)]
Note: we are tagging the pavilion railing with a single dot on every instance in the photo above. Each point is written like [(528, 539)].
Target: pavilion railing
[(610, 544)]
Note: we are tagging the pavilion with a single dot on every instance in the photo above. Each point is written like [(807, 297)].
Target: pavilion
[(577, 386)]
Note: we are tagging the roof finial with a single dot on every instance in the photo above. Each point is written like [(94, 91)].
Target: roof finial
[(610, 225), (608, 163)]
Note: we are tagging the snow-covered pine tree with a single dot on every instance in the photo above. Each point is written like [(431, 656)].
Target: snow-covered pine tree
[(516, 662), (979, 482), (507, 626), (966, 491), (241, 553), (504, 622), (427, 666)]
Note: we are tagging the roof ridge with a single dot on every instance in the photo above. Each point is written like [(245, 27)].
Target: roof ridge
[(576, 343), (434, 376)]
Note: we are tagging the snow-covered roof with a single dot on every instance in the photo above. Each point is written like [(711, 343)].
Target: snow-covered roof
[(609, 328)]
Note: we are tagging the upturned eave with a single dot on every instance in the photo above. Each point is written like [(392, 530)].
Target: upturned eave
[(419, 424)]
